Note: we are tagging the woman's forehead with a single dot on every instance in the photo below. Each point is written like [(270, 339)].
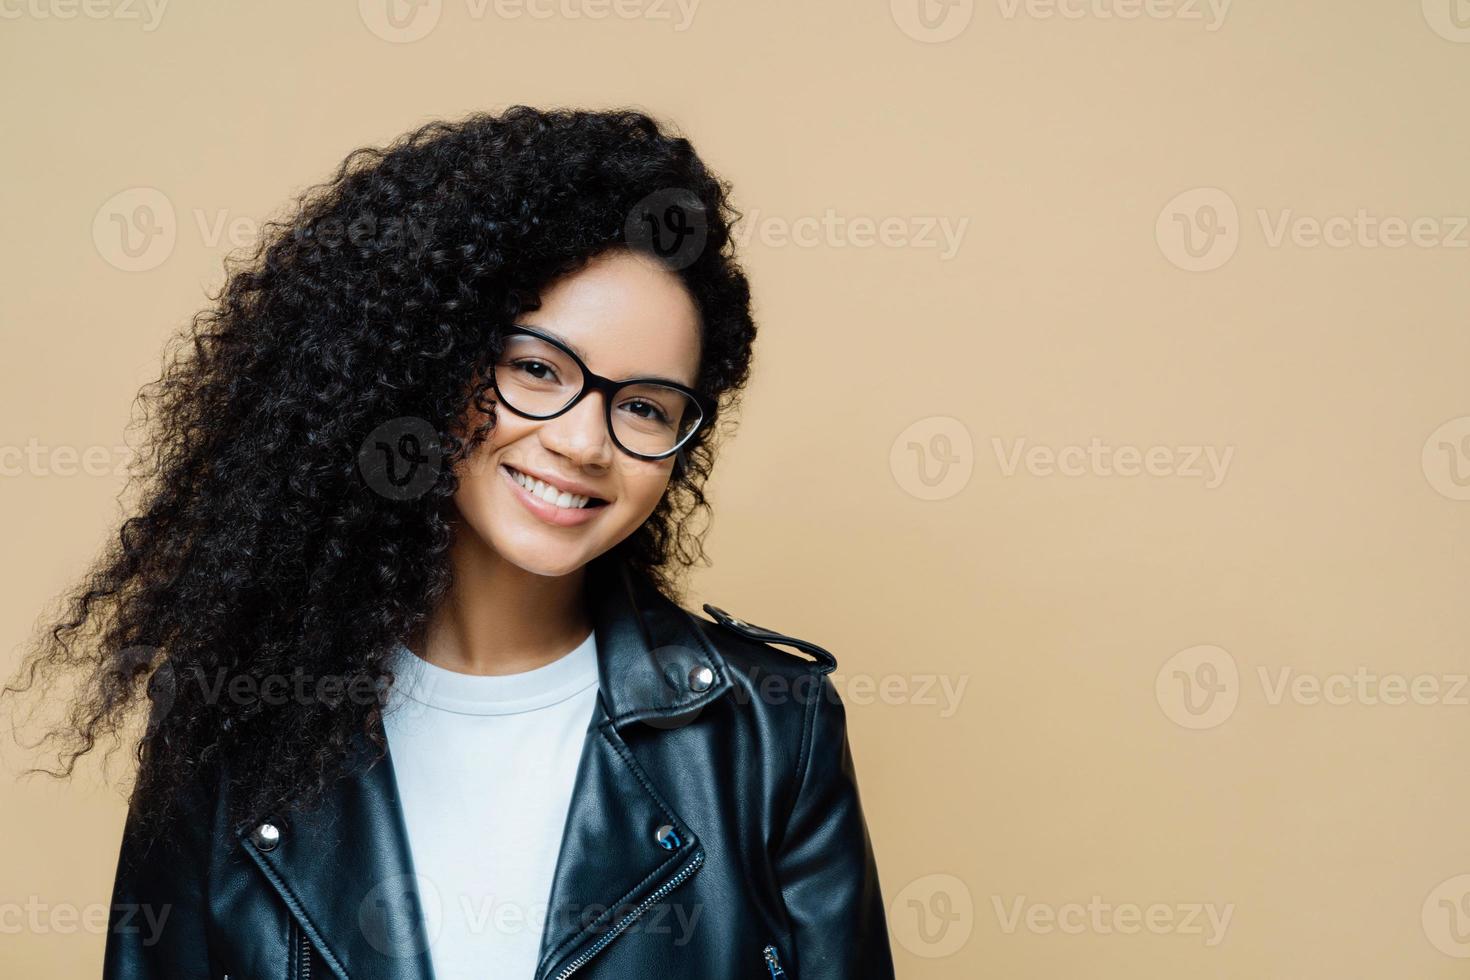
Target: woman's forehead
[(625, 316)]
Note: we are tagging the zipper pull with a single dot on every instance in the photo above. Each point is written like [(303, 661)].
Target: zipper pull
[(773, 962)]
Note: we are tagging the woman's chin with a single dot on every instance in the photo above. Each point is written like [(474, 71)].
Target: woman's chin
[(539, 553)]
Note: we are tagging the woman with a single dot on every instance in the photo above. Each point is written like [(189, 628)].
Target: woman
[(401, 601)]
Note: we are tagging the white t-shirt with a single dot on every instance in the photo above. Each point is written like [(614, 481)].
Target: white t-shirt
[(485, 768)]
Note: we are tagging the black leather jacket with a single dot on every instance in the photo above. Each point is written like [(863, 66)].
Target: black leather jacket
[(715, 831)]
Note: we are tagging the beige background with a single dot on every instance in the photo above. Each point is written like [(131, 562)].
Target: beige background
[(1116, 730)]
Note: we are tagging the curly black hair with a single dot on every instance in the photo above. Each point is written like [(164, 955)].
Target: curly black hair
[(260, 549)]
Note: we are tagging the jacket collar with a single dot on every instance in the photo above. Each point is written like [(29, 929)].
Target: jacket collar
[(651, 654), (344, 867)]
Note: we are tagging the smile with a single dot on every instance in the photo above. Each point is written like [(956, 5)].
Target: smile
[(550, 494)]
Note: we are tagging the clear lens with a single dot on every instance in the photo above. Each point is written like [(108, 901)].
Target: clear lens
[(535, 377), (653, 418), (539, 379)]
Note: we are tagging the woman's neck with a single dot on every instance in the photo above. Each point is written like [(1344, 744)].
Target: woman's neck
[(501, 619)]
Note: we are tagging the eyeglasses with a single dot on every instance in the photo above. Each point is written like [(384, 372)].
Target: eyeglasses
[(538, 377)]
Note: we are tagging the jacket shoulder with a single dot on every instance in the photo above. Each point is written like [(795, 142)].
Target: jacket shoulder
[(824, 662)]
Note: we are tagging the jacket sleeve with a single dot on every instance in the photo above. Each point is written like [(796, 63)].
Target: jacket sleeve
[(156, 923), (829, 878)]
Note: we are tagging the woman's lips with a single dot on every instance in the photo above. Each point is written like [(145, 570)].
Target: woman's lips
[(548, 513)]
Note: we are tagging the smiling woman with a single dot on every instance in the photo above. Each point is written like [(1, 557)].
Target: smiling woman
[(507, 714)]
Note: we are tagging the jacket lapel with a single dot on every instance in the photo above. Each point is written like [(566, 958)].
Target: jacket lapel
[(613, 863), (345, 871)]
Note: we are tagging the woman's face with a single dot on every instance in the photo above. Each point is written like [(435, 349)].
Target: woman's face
[(626, 316)]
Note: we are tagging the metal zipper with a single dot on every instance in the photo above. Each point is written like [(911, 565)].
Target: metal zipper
[(303, 971), (627, 920), (773, 962)]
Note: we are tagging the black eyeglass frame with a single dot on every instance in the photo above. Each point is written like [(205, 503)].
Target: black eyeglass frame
[(609, 389)]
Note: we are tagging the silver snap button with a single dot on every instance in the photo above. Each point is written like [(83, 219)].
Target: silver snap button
[(700, 678), (266, 836), (667, 837)]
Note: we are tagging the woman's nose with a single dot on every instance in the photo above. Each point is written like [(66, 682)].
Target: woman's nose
[(581, 434)]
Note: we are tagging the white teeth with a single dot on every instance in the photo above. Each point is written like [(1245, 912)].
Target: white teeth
[(548, 493)]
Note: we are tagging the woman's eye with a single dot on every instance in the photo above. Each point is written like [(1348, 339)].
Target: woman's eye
[(534, 369), (646, 410)]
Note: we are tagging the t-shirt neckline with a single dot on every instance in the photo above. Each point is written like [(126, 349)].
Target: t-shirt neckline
[(498, 694)]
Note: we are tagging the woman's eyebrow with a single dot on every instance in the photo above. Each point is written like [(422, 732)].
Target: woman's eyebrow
[(583, 355), (659, 377)]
